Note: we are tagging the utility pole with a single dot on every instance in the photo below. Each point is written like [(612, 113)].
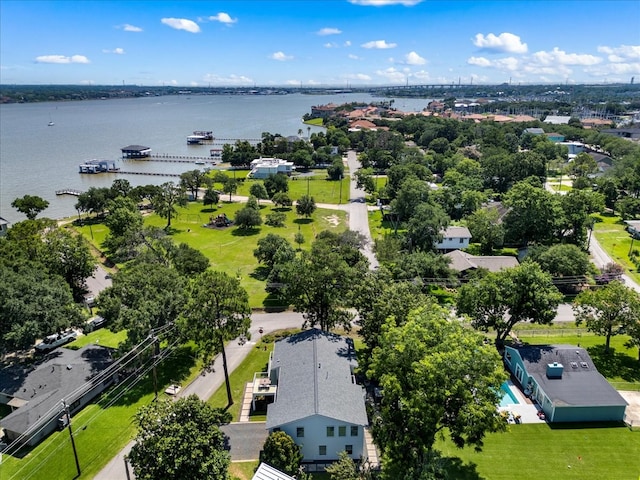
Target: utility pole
[(73, 443), (156, 355)]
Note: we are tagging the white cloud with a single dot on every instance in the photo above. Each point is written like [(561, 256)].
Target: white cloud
[(557, 56), (382, 3), (353, 57), (363, 77), (117, 51), (223, 18), (330, 45), (181, 24), (412, 58), (505, 42), (229, 80), (62, 59), (393, 75), (379, 44), (347, 43), (328, 31), (130, 28), (621, 53), (479, 61), (280, 56), (422, 75)]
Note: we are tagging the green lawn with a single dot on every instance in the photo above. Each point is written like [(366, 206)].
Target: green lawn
[(581, 452), (610, 232), (101, 336), (317, 185), (243, 470), (231, 249), (100, 430)]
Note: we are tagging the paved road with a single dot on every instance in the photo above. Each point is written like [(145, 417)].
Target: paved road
[(600, 258), (205, 385), (358, 211)]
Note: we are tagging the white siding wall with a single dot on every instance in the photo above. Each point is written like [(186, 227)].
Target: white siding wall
[(315, 434), (454, 243)]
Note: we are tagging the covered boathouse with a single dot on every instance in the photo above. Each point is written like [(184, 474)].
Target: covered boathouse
[(136, 151)]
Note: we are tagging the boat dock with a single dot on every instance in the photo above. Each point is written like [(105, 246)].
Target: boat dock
[(165, 157), (69, 191), (157, 174), (200, 137)]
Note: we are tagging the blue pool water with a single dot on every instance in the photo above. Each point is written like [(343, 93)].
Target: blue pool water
[(508, 398)]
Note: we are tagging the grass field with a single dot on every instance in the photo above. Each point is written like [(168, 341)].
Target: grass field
[(231, 249), (316, 184), (610, 232)]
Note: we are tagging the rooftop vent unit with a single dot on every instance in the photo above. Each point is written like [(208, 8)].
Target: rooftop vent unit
[(554, 370)]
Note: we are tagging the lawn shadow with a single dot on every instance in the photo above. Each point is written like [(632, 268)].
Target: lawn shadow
[(281, 209), (273, 303), (455, 468), (582, 425), (208, 210), (245, 232), (260, 273), (137, 383), (303, 221), (614, 364)]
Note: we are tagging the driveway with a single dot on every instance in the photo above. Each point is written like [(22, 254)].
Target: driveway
[(245, 439)]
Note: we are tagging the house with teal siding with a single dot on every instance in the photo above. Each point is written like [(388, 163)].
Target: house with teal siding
[(564, 382)]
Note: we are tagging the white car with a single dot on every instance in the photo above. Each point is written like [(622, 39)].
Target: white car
[(56, 340), (95, 322)]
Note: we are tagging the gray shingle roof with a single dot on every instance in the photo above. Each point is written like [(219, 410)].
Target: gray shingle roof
[(581, 383), (461, 261), (315, 378), (42, 388)]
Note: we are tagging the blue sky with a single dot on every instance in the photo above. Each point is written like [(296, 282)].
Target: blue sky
[(324, 43)]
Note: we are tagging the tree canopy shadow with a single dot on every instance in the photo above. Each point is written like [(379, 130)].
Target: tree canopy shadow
[(281, 209), (245, 232), (613, 364), (455, 468), (303, 221), (274, 303), (208, 210), (260, 273)]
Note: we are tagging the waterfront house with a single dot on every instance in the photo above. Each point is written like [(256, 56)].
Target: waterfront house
[(555, 137), (135, 152), (454, 238), (317, 400), (263, 167), (563, 380), (35, 394)]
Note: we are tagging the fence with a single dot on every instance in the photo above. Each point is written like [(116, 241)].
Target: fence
[(552, 332)]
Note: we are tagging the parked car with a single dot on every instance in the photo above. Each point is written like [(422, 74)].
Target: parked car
[(56, 340), (94, 323)]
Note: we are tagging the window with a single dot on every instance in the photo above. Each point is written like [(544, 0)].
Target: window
[(342, 431), (322, 449), (348, 449), (300, 432), (462, 240), (354, 431), (331, 431)]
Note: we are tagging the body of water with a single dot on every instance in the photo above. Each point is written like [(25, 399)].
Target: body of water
[(38, 159)]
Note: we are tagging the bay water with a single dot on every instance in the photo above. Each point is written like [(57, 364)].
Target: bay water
[(38, 159)]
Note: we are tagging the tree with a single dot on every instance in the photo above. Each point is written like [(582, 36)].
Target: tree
[(561, 260), (94, 200), (276, 182), (281, 199), (276, 219), (582, 165), (187, 260), (178, 440), (500, 300), (247, 218), (319, 283), (424, 228), (30, 205), (230, 186), (535, 215), (120, 188), (125, 225), (578, 205), (347, 469), (259, 191), (191, 181), (306, 205), (336, 169), (271, 247), (143, 296), (216, 312), (211, 197), (281, 452), (299, 239), (608, 310), (69, 256), (167, 200), (437, 376), (486, 229)]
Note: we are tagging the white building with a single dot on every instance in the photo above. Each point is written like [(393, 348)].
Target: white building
[(318, 402), (263, 167), (454, 238)]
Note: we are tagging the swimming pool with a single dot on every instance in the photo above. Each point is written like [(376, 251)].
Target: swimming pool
[(508, 398)]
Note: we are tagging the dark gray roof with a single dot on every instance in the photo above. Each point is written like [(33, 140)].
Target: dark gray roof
[(315, 378), (581, 383), (134, 148), (41, 389)]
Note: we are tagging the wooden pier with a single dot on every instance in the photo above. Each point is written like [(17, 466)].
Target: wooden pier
[(165, 157), (69, 191), (153, 174)]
